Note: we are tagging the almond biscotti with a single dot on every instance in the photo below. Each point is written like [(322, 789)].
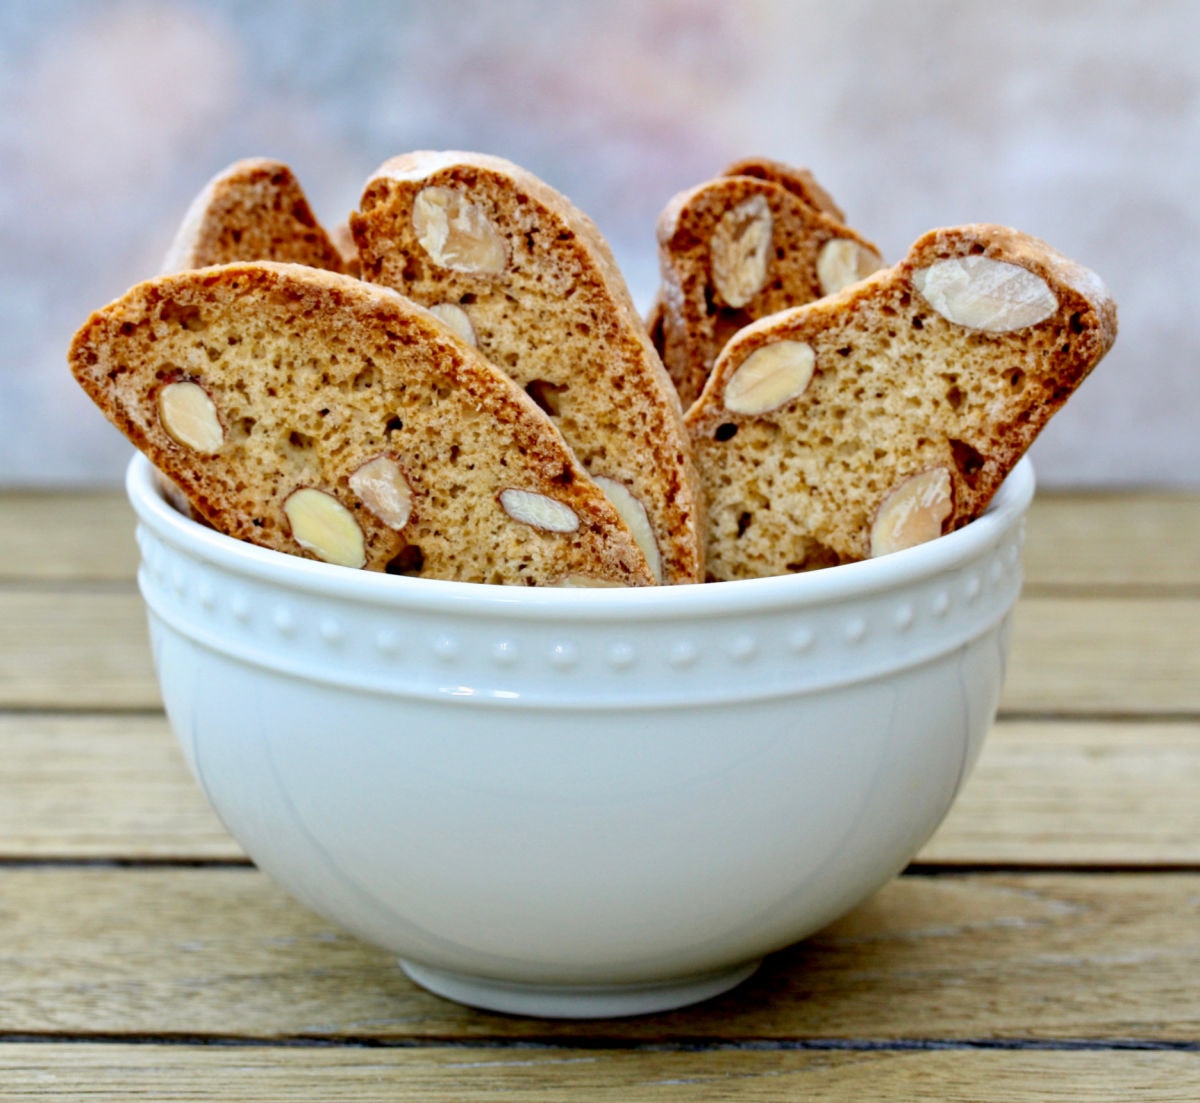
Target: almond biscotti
[(312, 413), (343, 241), (252, 210), (889, 413), (527, 278), (737, 248), (799, 181)]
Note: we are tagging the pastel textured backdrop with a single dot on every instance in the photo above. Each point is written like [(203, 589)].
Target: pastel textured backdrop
[(1076, 121)]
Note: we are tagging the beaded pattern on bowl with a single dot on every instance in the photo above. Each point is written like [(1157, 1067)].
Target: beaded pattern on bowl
[(410, 652)]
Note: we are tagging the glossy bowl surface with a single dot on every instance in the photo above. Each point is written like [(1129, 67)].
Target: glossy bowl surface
[(579, 802)]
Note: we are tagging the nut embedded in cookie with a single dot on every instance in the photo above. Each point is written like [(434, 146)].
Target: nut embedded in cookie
[(548, 306), (738, 248), (927, 383), (356, 429)]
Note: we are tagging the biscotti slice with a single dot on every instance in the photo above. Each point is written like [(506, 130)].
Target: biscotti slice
[(343, 241), (889, 413), (799, 181), (735, 249), (253, 210), (527, 278), (315, 414)]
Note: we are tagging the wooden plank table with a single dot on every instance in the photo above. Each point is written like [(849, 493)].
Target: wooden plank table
[(1045, 944)]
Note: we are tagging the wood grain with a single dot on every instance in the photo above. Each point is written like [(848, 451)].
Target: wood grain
[(1116, 539), (1042, 793), (66, 535), (101, 787), (88, 650), (1078, 793), (131, 925), (83, 649), (437, 1074), (1105, 656), (1102, 959)]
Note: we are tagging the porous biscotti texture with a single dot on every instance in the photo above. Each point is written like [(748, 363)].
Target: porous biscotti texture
[(312, 413), (891, 412), (799, 181), (343, 241), (529, 280), (737, 248), (253, 210)]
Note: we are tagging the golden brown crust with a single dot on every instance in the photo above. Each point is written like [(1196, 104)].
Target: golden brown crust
[(553, 311), (898, 389), (254, 209), (697, 320), (312, 375), (799, 181)]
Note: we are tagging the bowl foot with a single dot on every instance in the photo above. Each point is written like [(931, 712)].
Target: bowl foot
[(576, 1001)]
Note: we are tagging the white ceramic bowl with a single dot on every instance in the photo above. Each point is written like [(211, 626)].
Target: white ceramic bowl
[(579, 802)]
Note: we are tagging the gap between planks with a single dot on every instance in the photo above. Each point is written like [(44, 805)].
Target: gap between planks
[(1081, 958), (1072, 794), (107, 1074), (616, 1043)]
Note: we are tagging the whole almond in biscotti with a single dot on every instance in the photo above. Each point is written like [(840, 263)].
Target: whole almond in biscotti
[(315, 414), (800, 182), (522, 274), (885, 415), (252, 210), (738, 248)]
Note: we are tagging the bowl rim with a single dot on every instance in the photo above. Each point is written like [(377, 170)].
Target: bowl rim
[(740, 596)]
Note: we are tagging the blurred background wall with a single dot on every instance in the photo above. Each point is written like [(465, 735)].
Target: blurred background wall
[(1076, 121)]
